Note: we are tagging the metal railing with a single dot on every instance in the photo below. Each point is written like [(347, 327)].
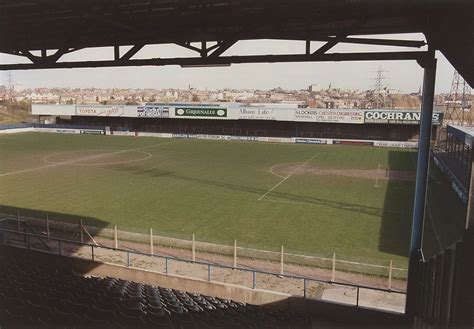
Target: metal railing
[(27, 237), (391, 272)]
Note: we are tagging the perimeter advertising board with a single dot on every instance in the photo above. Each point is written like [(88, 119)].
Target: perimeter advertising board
[(398, 117), (329, 116), (319, 141)]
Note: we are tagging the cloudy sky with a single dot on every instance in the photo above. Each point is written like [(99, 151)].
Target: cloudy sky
[(401, 75)]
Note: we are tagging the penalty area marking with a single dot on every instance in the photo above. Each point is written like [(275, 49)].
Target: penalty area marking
[(286, 177), (82, 159)]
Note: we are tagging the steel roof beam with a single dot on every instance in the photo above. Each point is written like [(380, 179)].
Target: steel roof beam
[(224, 60)]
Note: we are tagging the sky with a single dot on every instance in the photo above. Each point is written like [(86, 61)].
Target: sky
[(405, 76)]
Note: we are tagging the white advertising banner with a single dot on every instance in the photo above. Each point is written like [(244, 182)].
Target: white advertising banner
[(106, 110), (71, 131), (410, 145), (329, 115), (159, 135), (265, 113)]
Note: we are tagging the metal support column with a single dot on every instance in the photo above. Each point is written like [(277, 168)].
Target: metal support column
[(416, 255)]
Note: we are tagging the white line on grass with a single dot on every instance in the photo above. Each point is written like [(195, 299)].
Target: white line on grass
[(285, 178), (81, 159), (278, 165), (377, 176)]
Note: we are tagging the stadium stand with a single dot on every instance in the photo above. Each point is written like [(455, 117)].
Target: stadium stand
[(34, 294)]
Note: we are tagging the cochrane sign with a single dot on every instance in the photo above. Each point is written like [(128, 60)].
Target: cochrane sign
[(399, 117)]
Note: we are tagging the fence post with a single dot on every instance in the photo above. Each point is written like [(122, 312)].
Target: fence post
[(151, 241), (59, 247), (81, 232), (305, 287), (254, 279), (47, 226), (18, 219), (235, 253), (128, 259), (357, 300), (282, 260), (166, 265), (333, 276), (25, 237), (194, 250), (116, 236), (92, 252), (208, 272), (390, 269)]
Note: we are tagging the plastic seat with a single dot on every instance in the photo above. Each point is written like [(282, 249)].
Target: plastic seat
[(153, 305), (130, 320), (64, 317), (98, 318), (105, 305)]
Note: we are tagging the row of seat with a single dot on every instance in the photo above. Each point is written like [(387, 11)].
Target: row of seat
[(37, 295)]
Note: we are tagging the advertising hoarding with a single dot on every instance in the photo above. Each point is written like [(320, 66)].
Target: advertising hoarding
[(329, 115), (395, 144), (100, 110), (264, 113), (153, 111), (352, 142), (398, 117), (311, 141), (200, 112)]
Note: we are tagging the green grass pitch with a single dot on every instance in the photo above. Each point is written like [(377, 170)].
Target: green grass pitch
[(218, 190)]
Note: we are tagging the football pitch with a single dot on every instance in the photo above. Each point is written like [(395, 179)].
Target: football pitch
[(355, 201)]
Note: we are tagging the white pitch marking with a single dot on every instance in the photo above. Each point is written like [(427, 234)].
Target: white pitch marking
[(82, 159), (285, 178), (377, 176), (280, 164)]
